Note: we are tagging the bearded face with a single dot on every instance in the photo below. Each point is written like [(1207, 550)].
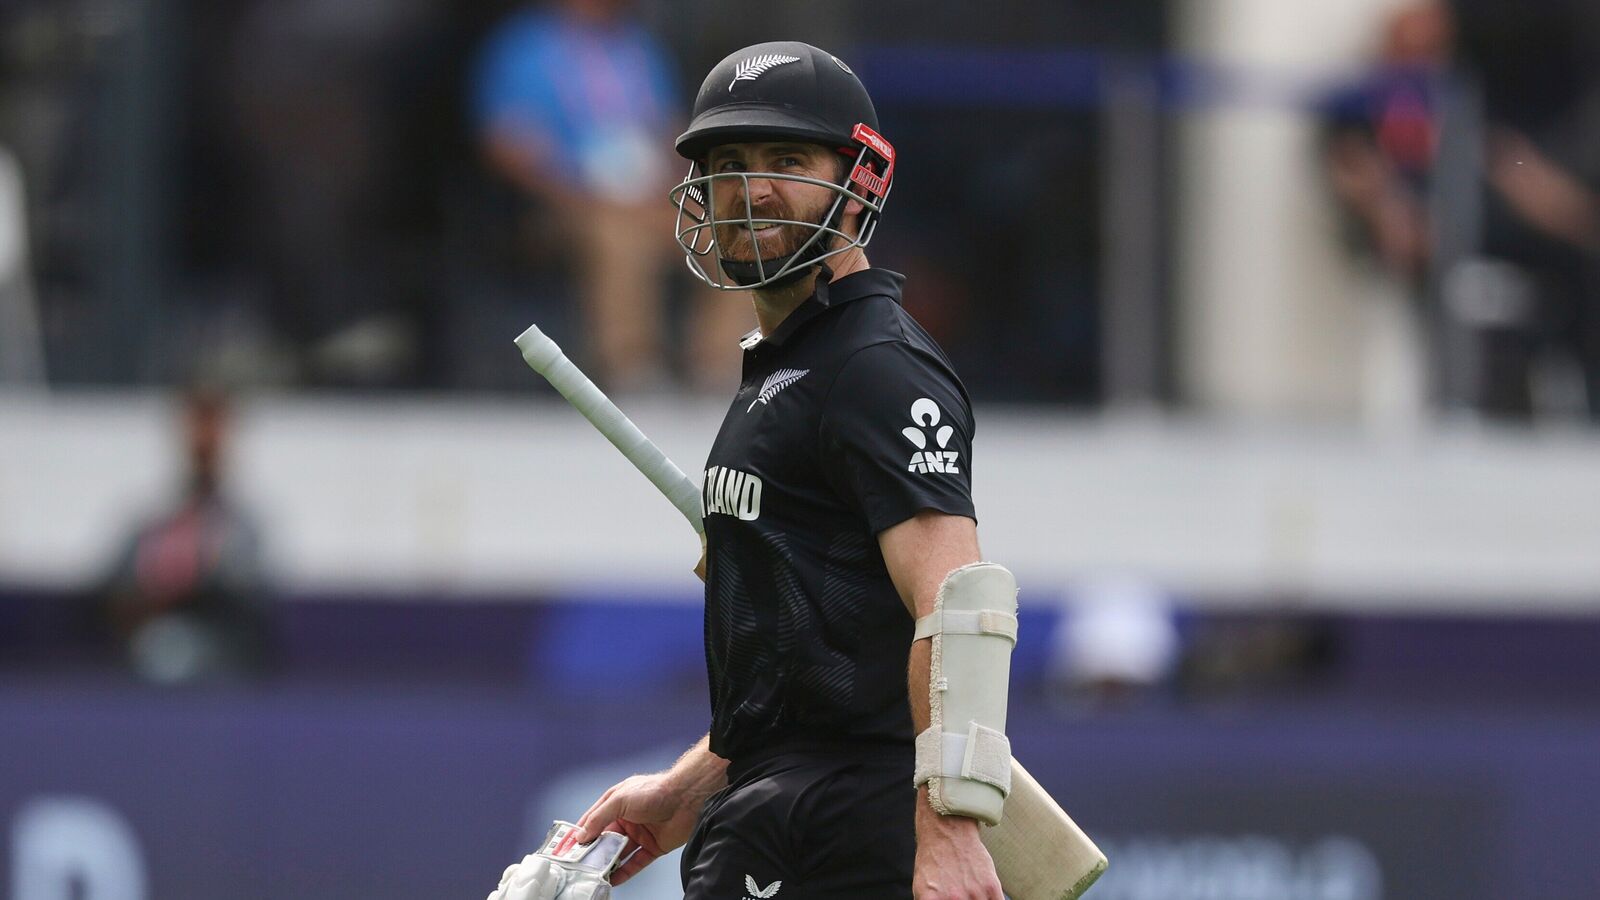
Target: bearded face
[(769, 211), (770, 239)]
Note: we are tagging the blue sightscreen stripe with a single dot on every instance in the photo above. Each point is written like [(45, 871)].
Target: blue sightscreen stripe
[(961, 76), (1078, 79)]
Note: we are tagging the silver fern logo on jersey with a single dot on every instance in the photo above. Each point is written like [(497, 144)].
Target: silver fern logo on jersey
[(924, 416), (761, 893), (776, 382), (757, 66)]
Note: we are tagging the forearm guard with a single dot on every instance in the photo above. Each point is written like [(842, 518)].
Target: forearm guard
[(964, 756)]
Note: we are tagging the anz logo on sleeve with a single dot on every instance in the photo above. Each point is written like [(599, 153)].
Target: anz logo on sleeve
[(730, 492), (924, 418)]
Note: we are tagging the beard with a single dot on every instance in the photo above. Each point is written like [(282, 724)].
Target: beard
[(738, 244)]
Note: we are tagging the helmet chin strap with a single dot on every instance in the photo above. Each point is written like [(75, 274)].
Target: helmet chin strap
[(749, 273)]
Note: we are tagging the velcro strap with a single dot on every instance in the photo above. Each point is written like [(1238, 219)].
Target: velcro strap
[(987, 758), (982, 754), (930, 758), (962, 621)]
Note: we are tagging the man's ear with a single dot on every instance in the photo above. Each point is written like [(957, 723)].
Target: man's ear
[(852, 206)]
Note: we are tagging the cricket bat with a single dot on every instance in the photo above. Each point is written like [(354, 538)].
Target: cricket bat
[(546, 358), (1038, 851)]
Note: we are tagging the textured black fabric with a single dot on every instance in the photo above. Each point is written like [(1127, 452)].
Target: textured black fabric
[(806, 636), (820, 825)]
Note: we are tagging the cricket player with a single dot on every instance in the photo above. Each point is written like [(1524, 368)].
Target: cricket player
[(858, 652)]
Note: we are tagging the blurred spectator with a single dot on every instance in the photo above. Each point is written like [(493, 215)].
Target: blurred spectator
[(1549, 231), (301, 111), (187, 599), (576, 106), (1384, 138), (1116, 641), (1466, 212), (1382, 145)]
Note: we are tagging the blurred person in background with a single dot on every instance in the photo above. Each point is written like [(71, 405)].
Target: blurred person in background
[(1381, 146), (1383, 139), (1535, 69), (303, 187), (1115, 643), (187, 599), (1456, 203), (574, 107)]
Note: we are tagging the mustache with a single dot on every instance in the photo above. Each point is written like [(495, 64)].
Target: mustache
[(760, 214), (788, 224)]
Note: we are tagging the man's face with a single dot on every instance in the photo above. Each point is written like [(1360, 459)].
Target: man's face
[(770, 198)]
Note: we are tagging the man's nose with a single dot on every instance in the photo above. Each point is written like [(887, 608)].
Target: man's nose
[(759, 190)]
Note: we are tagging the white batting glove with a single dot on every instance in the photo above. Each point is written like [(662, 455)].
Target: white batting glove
[(563, 869)]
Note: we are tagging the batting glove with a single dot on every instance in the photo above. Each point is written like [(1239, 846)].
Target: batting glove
[(563, 869)]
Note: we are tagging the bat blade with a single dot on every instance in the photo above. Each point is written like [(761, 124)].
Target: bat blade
[(1038, 851)]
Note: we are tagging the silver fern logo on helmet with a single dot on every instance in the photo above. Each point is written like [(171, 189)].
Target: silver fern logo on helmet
[(757, 66)]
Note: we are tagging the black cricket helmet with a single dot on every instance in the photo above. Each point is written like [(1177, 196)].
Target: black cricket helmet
[(779, 91)]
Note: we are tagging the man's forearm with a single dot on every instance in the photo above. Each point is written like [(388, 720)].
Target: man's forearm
[(917, 685), (921, 717), (699, 773)]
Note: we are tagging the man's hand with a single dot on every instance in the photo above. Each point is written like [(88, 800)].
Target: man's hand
[(656, 812), (951, 863), (656, 816)]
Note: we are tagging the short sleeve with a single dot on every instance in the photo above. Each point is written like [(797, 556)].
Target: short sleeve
[(896, 435)]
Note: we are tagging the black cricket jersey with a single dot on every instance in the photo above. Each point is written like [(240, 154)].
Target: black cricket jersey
[(849, 419)]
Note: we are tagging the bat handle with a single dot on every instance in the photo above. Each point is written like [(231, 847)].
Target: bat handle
[(545, 357)]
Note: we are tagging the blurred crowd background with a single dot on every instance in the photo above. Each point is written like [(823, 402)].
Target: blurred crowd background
[(363, 194), (1282, 321)]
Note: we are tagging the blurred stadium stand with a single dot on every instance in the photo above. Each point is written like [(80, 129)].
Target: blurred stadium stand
[(1349, 534)]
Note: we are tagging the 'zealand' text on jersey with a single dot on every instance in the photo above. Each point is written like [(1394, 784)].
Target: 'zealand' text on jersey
[(849, 420)]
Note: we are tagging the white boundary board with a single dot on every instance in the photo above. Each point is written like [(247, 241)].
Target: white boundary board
[(388, 497)]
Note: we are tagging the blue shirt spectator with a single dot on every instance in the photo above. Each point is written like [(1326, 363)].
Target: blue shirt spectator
[(589, 98)]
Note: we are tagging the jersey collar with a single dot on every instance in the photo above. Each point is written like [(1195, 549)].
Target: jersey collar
[(828, 294)]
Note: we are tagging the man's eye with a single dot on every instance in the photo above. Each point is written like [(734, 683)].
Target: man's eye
[(730, 165), (788, 162)]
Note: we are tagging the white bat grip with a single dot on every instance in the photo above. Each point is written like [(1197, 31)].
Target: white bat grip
[(546, 358)]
